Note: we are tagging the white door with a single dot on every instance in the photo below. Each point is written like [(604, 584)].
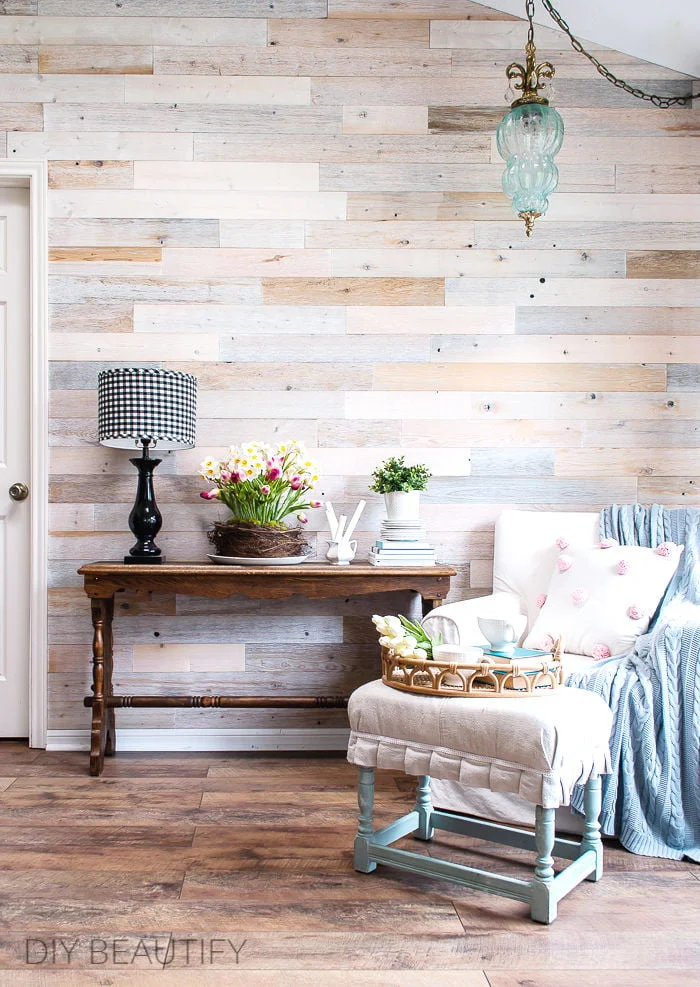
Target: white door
[(14, 462)]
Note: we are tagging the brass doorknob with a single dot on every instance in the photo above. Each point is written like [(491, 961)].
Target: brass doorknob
[(19, 491)]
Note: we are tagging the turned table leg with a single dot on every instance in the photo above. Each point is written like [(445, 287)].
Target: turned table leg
[(102, 734)]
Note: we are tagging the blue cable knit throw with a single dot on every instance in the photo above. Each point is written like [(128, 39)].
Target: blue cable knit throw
[(651, 802)]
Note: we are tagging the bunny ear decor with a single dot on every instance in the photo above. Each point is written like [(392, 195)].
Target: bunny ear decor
[(341, 550)]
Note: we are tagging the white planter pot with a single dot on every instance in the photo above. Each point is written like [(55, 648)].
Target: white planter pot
[(401, 506)]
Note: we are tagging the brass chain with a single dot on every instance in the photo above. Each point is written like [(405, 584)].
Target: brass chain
[(530, 12), (662, 101)]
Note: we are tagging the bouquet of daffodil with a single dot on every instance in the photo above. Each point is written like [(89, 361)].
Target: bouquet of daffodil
[(404, 637), (262, 484)]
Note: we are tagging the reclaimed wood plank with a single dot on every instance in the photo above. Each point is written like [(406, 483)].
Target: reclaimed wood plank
[(185, 8), (677, 491), (615, 235), (599, 319), (428, 320), (561, 348), (128, 30), (18, 58), (75, 289), (301, 61), (242, 90), (333, 348), (572, 291), (142, 204), (341, 149), (242, 319), (21, 88), (81, 59), (663, 263), (113, 146), (645, 463), (633, 177), (385, 119), (357, 291), (684, 377), (86, 317), (144, 346), (467, 264), (540, 377), (98, 255), (134, 232), (238, 262), (91, 174), (449, 178), (287, 177), (421, 9), (21, 116), (349, 33), (370, 235), (192, 117)]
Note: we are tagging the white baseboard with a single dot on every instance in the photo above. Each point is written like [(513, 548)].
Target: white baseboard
[(313, 739)]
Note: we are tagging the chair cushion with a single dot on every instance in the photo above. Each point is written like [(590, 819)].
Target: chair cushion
[(601, 599), (538, 748)]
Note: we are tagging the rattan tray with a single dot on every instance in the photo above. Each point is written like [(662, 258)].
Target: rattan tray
[(497, 678)]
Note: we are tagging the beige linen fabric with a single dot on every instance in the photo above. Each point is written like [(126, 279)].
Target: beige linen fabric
[(536, 748)]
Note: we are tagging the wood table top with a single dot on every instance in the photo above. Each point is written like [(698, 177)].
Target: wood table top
[(304, 569)]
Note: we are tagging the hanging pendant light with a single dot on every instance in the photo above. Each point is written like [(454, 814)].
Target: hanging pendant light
[(529, 135)]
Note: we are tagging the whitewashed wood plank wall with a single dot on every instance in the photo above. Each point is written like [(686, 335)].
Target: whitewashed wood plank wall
[(300, 203)]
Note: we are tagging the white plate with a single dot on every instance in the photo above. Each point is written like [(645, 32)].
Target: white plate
[(234, 560)]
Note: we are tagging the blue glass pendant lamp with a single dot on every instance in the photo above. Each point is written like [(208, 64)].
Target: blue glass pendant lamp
[(529, 135)]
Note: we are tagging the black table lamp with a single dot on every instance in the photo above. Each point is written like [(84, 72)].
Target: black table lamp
[(142, 407)]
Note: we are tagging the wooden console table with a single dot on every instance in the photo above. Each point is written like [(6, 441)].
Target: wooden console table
[(103, 580)]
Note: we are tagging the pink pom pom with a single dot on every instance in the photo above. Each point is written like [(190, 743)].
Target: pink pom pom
[(561, 544), (541, 600), (634, 612), (664, 548), (564, 563), (622, 567), (609, 542), (548, 642), (601, 651), (579, 597)]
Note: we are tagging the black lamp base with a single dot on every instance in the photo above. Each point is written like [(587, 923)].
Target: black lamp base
[(145, 519)]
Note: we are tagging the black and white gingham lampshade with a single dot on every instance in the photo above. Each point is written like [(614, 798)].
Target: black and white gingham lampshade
[(135, 403)]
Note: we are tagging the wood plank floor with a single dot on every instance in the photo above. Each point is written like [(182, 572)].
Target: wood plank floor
[(236, 869)]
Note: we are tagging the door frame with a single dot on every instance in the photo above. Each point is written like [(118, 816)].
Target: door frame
[(34, 175)]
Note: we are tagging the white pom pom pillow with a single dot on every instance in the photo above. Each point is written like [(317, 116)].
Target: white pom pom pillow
[(601, 599)]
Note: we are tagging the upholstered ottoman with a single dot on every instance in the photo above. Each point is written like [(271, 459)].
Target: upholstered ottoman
[(538, 748)]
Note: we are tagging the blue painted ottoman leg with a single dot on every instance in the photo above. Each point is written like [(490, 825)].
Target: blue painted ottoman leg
[(543, 904), (591, 826), (424, 807), (365, 829)]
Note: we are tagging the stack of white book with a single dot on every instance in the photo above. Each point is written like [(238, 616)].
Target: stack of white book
[(402, 543)]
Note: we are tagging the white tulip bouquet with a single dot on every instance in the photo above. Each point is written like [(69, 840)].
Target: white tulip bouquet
[(404, 637)]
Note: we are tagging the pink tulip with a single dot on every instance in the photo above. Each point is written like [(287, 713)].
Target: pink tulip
[(303, 518), (225, 476), (209, 494), (541, 600), (315, 503), (601, 651), (264, 490), (295, 482), (274, 473)]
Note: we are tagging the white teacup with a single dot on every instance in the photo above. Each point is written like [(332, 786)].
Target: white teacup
[(502, 634)]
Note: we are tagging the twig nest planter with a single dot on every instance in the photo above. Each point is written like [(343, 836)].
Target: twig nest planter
[(499, 678), (256, 541)]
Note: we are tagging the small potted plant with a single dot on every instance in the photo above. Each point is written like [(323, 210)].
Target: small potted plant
[(261, 486), (401, 486)]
